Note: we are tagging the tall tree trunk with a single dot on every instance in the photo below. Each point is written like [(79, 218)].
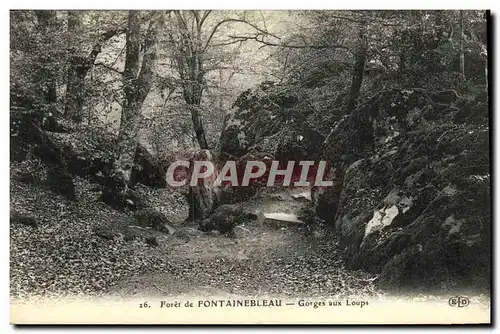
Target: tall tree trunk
[(191, 72), (357, 80), (203, 197), (193, 92), (462, 56), (358, 70), (46, 22), (77, 71), (198, 126), (80, 65), (136, 86)]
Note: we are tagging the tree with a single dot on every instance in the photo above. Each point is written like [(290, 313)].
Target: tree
[(358, 69), (192, 38), (462, 56), (137, 81), (80, 64), (47, 23), (76, 72)]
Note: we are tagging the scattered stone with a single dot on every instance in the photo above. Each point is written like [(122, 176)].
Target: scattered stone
[(282, 220), (17, 218)]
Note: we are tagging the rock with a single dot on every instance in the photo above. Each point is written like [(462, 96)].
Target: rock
[(299, 141), (150, 218), (61, 182), (106, 234), (58, 144), (183, 235), (264, 119), (17, 218), (225, 218), (231, 195), (117, 230), (148, 170), (120, 197), (409, 205), (152, 241), (304, 196), (27, 178), (279, 220)]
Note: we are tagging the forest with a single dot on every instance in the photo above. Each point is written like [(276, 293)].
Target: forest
[(103, 102)]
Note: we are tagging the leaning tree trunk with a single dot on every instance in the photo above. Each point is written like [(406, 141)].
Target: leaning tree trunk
[(198, 126), (136, 86), (193, 92)]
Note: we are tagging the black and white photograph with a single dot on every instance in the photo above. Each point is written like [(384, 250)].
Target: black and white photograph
[(250, 166)]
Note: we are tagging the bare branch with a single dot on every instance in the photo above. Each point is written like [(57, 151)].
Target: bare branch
[(204, 17), (109, 68), (96, 49), (261, 40), (197, 19), (214, 30)]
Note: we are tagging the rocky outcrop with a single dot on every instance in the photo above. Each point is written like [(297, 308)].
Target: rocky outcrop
[(266, 124), (59, 144), (265, 119), (411, 199)]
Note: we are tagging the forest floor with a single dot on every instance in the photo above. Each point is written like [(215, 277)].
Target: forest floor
[(262, 260), (64, 257)]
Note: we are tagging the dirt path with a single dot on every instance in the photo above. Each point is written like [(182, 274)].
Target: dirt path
[(262, 260)]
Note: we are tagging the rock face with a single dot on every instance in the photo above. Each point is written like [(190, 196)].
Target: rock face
[(264, 119), (231, 195), (62, 146), (266, 124), (411, 198)]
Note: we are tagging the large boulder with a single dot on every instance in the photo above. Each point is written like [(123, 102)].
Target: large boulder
[(23, 219), (225, 218), (412, 195), (153, 219), (267, 119), (266, 123), (254, 116), (60, 145)]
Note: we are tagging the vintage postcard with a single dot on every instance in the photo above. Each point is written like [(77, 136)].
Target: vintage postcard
[(250, 167)]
